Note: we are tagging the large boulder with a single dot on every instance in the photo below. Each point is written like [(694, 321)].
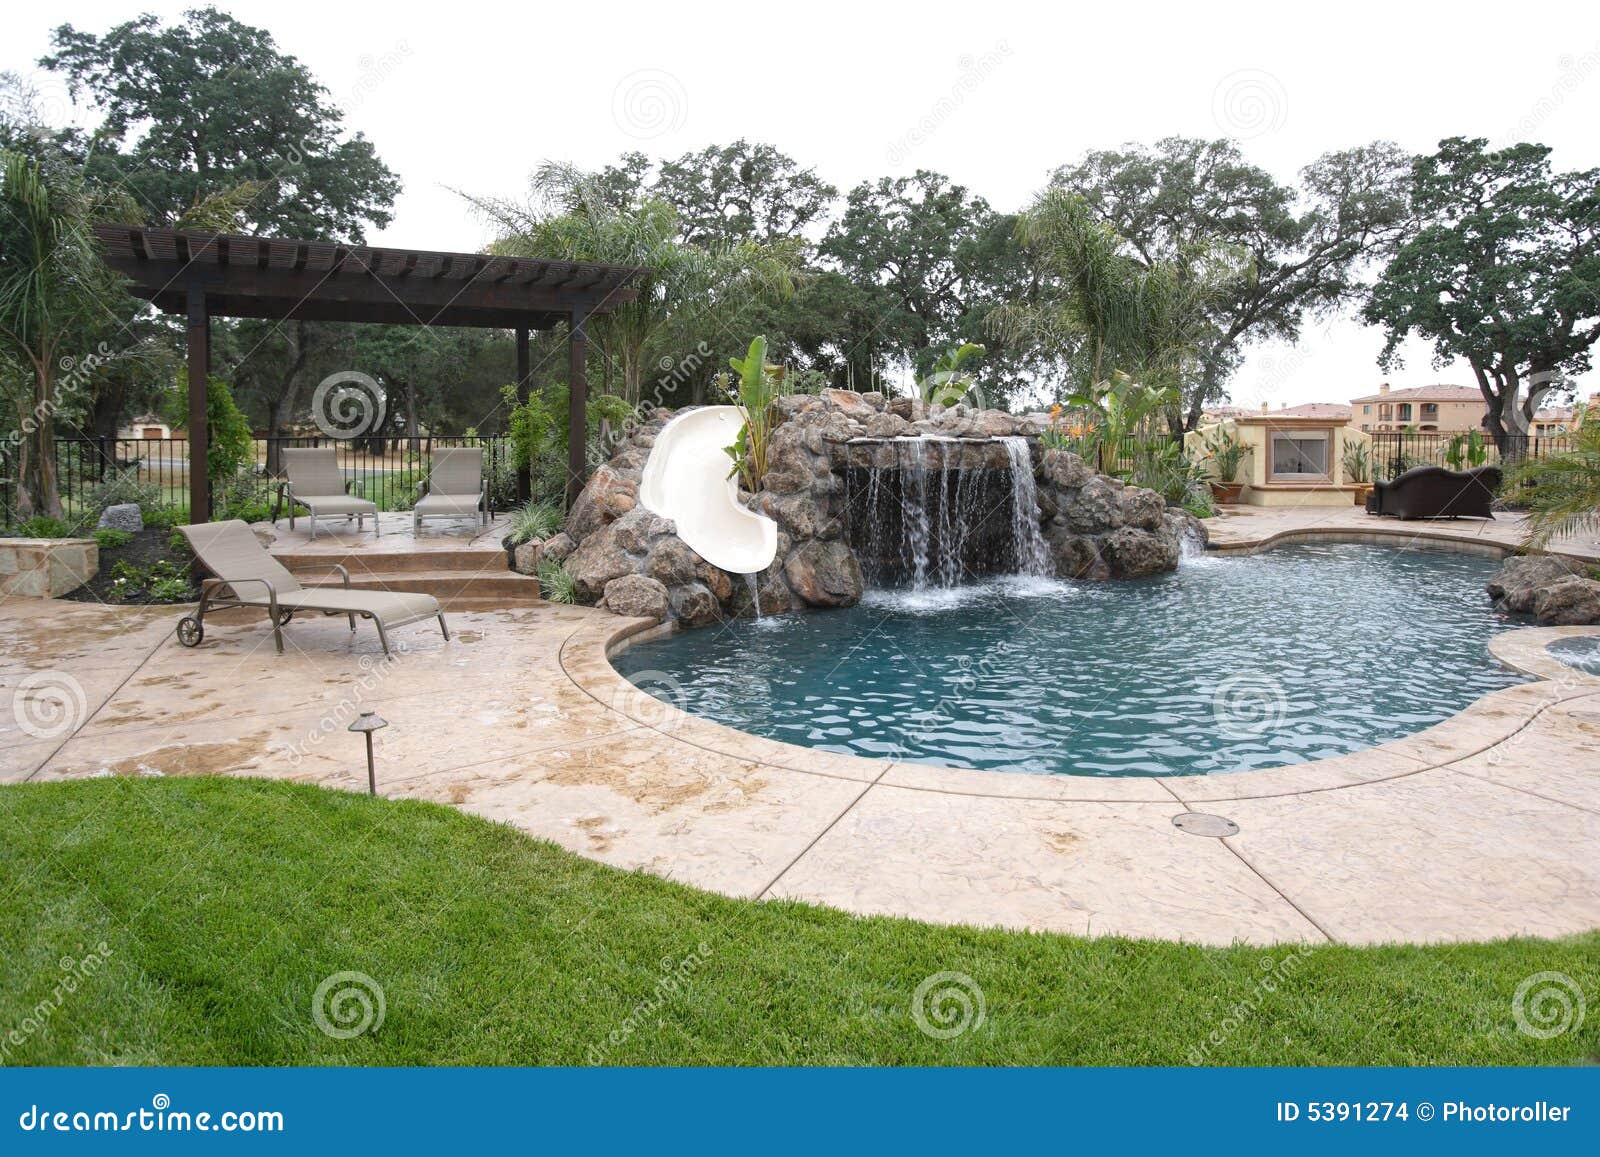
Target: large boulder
[(824, 574), (1568, 602), (1134, 553), (636, 596), (526, 557), (694, 605), (609, 494), (1095, 509), (598, 559), (123, 516), (1064, 470), (558, 547), (1518, 581)]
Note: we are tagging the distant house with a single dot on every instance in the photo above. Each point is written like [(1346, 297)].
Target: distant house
[(145, 426), (1326, 411), (1428, 409)]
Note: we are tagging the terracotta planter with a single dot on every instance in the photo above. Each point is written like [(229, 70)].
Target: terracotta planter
[(1227, 493)]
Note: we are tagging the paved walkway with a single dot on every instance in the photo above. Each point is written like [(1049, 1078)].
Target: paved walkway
[(1485, 826)]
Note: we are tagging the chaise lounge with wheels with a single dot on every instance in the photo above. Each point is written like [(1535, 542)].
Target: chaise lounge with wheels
[(1434, 492), (455, 488), (245, 575), (316, 483)]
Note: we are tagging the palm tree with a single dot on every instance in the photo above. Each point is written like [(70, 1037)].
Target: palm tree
[(1113, 313), (1561, 492), (572, 217), (54, 289)]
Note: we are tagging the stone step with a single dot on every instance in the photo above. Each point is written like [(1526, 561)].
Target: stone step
[(398, 561), (447, 584)]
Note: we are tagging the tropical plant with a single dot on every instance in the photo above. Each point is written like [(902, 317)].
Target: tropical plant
[(1561, 492), (53, 289), (572, 215), (556, 582), (109, 537), (1120, 418), (1357, 461), (755, 391), (1466, 450), (1225, 452), (538, 434), (948, 384), (536, 519), (1107, 311), (1160, 464)]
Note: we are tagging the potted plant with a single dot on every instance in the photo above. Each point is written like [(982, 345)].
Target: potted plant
[(1358, 468), (1226, 453)]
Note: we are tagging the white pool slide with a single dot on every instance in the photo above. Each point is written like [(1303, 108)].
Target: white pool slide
[(686, 479)]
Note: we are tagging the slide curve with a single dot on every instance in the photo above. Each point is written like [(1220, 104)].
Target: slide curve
[(686, 479)]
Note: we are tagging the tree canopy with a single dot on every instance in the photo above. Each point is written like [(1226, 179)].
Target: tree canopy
[(1501, 269)]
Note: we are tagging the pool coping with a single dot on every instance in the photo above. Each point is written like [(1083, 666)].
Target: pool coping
[(1488, 721)]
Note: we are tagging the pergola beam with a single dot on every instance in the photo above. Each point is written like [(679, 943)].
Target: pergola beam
[(201, 276)]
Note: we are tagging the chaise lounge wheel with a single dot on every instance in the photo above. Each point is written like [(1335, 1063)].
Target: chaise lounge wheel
[(190, 631)]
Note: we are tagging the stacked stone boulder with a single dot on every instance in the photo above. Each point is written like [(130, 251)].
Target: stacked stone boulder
[(630, 560), (1551, 589)]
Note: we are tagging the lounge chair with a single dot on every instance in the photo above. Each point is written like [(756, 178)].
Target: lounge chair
[(247, 576), (316, 483), (455, 488)]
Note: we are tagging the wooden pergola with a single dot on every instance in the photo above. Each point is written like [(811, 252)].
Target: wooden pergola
[(204, 275)]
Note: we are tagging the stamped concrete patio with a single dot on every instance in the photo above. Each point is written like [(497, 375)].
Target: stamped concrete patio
[(1485, 826)]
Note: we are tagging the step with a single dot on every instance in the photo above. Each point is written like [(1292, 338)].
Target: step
[(448, 584), (395, 562)]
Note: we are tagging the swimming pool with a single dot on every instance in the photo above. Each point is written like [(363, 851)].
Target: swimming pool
[(1300, 653)]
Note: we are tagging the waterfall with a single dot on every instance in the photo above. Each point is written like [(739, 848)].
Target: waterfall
[(755, 593), (1032, 557), (911, 454), (931, 512)]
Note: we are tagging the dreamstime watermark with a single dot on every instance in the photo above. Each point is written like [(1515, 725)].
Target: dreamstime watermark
[(948, 1004), (973, 71), (1548, 1004), (48, 704), (375, 70), (673, 374), (969, 676), (654, 698), (374, 671), (1249, 103), (674, 977), (1274, 974), (348, 1004), (1248, 706), (73, 973), (75, 373), (348, 404), (649, 103), (1573, 72)]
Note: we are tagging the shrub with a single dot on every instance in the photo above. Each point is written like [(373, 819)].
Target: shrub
[(535, 520), (109, 538), (556, 583), (121, 486), (166, 517), (43, 526)]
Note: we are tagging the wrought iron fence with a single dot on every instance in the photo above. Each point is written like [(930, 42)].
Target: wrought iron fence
[(155, 471), (1395, 452)]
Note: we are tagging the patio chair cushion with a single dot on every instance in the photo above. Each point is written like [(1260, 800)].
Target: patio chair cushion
[(230, 551), (335, 504), (393, 608), (448, 504)]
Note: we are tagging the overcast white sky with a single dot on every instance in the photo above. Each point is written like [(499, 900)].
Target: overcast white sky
[(473, 95)]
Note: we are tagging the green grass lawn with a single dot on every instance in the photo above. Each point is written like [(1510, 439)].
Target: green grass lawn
[(223, 904)]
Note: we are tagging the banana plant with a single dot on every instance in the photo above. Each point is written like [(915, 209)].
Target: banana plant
[(757, 388), (948, 384)]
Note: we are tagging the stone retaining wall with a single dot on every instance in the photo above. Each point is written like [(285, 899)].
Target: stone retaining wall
[(43, 568)]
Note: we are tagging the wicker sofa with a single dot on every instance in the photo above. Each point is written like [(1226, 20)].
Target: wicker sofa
[(1434, 492)]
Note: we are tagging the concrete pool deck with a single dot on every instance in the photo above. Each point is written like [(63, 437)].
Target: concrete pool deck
[(1485, 826)]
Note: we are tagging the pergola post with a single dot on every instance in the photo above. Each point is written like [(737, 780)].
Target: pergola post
[(199, 355), (524, 473), (577, 404)]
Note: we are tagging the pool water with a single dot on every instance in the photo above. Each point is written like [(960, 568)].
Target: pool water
[(1300, 653)]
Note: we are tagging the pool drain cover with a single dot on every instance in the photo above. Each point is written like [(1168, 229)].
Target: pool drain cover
[(1205, 824)]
